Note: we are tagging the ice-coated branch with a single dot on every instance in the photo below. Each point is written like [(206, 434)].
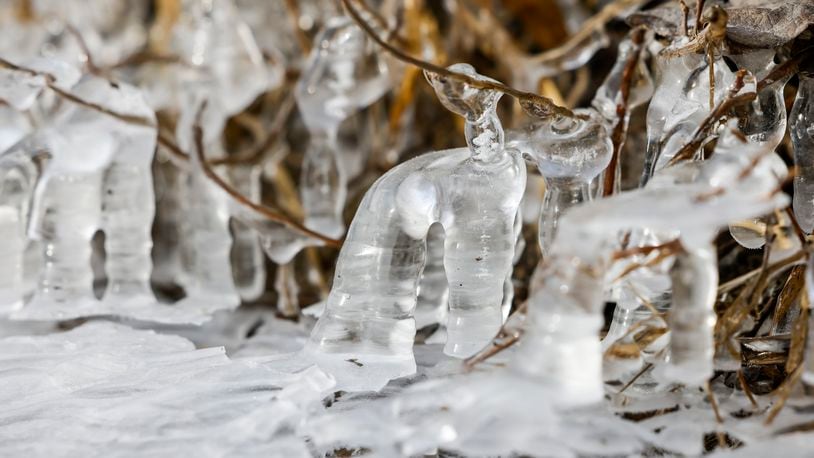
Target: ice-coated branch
[(560, 346)]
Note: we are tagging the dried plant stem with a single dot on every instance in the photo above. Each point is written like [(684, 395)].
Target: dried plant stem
[(50, 83), (25, 10), (699, 11), (83, 45), (267, 212), (533, 104), (773, 269), (783, 394), (685, 11), (707, 125), (594, 23), (256, 154), (630, 382)]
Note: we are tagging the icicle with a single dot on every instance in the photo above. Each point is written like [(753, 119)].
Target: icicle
[(433, 292), (763, 123), (801, 129), (248, 262), (692, 317), (128, 200), (342, 76), (66, 214), (569, 153), (287, 289)]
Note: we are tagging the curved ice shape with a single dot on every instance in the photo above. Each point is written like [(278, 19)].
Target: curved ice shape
[(474, 193)]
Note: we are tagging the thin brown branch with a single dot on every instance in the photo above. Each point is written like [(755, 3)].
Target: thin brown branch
[(783, 394), (699, 11), (50, 83), (83, 45), (685, 11), (706, 127), (533, 104), (589, 27), (746, 390)]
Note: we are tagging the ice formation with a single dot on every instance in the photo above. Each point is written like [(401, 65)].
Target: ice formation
[(342, 75), (474, 193), (133, 224)]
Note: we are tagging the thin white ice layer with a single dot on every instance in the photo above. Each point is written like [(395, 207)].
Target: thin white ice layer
[(104, 389)]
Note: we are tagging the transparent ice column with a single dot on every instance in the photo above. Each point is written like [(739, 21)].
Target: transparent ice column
[(248, 262), (763, 122), (128, 199), (342, 75), (67, 213), (569, 153), (18, 175), (474, 193), (692, 315), (801, 129)]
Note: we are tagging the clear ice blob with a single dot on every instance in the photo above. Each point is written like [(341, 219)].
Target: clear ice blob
[(569, 153)]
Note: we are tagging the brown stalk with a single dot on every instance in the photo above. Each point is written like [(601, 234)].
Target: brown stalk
[(708, 124), (790, 292), (25, 10), (672, 246), (783, 394), (746, 390), (83, 45), (798, 336), (50, 83), (594, 23), (685, 11), (699, 11)]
